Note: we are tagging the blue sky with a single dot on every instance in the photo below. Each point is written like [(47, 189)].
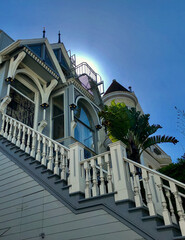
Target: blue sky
[(140, 43)]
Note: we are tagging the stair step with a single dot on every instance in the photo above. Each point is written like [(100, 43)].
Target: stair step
[(158, 219), (46, 170), (19, 150), (53, 175), (66, 187), (8, 144), (34, 161), (143, 211), (137, 209), (167, 226), (13, 147), (40, 166), (22, 154), (174, 229), (59, 181), (28, 158)]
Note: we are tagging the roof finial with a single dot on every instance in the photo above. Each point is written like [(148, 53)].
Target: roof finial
[(44, 32), (59, 41)]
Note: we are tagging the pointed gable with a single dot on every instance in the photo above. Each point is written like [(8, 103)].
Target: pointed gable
[(114, 87), (62, 61)]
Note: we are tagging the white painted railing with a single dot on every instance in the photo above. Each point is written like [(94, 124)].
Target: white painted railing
[(170, 194), (105, 173), (45, 150), (98, 175), (84, 69), (113, 172)]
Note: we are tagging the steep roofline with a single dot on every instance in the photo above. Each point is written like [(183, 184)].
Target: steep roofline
[(114, 87)]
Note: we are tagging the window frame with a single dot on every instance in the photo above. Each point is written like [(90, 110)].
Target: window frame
[(51, 114), (36, 97), (90, 128)]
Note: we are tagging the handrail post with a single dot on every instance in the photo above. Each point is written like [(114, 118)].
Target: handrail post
[(77, 180), (121, 175)]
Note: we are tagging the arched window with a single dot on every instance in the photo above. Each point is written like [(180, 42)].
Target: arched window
[(84, 132)]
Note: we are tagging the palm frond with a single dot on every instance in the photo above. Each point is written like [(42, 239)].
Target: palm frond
[(158, 139)]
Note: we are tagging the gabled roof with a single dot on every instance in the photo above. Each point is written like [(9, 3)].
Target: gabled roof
[(114, 87), (50, 52), (29, 42)]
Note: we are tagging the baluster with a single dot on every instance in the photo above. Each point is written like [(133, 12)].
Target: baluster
[(47, 149), (3, 125), (23, 138), (102, 179), (179, 207), (137, 194), (56, 163), (6, 128), (10, 130), (109, 175), (50, 157), (27, 150), (43, 161), (18, 142), (67, 166), (38, 155), (68, 159), (94, 178), (63, 163), (150, 204), (14, 132), (165, 212), (87, 180), (32, 153), (173, 217)]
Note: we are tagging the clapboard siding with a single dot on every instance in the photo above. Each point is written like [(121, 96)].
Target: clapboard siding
[(15, 171), (27, 210)]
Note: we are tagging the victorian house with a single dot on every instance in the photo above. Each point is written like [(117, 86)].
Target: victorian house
[(61, 177)]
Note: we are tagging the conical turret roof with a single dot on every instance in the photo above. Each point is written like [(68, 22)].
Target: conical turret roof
[(114, 87)]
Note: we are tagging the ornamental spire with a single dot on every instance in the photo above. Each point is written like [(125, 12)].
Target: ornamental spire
[(59, 41), (44, 32)]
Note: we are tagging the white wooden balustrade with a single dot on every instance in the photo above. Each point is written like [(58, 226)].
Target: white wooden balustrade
[(109, 172), (45, 150), (170, 193), (98, 175)]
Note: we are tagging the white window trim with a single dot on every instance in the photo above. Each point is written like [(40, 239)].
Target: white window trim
[(36, 97), (51, 112)]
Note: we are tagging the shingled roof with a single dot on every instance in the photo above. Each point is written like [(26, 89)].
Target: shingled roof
[(115, 86)]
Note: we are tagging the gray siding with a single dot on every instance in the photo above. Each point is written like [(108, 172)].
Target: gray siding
[(27, 210)]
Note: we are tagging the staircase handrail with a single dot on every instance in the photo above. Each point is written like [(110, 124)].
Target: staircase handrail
[(155, 172), (96, 156), (37, 132)]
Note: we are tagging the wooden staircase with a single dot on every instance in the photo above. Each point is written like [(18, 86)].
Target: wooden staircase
[(90, 184)]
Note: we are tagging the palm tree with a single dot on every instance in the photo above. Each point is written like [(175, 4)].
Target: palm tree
[(132, 128)]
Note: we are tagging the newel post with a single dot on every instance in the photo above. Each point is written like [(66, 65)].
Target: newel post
[(77, 180), (121, 175)]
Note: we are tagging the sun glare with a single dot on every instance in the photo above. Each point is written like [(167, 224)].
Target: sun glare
[(90, 62)]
